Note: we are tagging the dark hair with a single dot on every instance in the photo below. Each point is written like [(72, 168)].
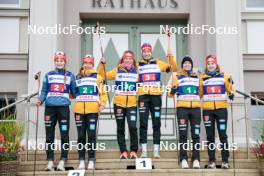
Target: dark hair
[(186, 58)]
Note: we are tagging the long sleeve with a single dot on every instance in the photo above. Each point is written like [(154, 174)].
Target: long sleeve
[(102, 88), (44, 90), (171, 63), (109, 75), (174, 85), (201, 87), (228, 84), (73, 86)]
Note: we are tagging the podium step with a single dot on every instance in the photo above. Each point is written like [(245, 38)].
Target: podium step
[(156, 172), (109, 164)]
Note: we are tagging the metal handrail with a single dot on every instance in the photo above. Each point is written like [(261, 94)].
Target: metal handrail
[(246, 112), (250, 96), (19, 101), (8, 120), (34, 94), (27, 99)]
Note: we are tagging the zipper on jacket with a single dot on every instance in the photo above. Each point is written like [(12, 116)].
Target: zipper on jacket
[(126, 100), (84, 107), (214, 105)]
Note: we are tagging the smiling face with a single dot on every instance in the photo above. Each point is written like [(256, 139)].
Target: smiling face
[(211, 66), (187, 65), (146, 54), (59, 63), (128, 59), (87, 66)]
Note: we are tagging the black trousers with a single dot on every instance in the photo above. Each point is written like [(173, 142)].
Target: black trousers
[(152, 104), (121, 115), (219, 117), (86, 124), (53, 115), (186, 116)]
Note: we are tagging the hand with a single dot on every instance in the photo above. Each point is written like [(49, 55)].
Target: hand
[(168, 70), (231, 97), (169, 52), (173, 90), (38, 103), (103, 61), (101, 108)]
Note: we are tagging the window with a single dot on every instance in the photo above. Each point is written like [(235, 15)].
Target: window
[(6, 99), (255, 4), (255, 37), (9, 3), (9, 35), (259, 95)]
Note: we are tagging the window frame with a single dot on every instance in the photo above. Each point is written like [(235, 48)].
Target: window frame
[(10, 96), (253, 9), (11, 5), (259, 95), (248, 43), (16, 45)]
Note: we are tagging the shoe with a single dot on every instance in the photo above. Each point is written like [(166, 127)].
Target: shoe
[(225, 165), (196, 164), (211, 165), (124, 155), (156, 154), (81, 165), (144, 154), (133, 155), (50, 166), (184, 164), (60, 166), (90, 165)]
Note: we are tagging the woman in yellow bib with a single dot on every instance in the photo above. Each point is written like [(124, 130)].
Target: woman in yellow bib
[(91, 99), (125, 101), (216, 85), (186, 87)]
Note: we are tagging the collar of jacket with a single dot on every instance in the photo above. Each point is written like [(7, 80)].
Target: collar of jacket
[(143, 61), (91, 71), (182, 72), (88, 72), (209, 76), (120, 67), (60, 70)]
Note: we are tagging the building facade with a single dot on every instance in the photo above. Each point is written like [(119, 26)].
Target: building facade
[(126, 24)]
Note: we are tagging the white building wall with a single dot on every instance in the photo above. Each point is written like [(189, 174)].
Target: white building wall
[(67, 12)]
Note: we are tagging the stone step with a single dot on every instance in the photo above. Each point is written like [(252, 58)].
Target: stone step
[(113, 154), (117, 164), (157, 172)]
